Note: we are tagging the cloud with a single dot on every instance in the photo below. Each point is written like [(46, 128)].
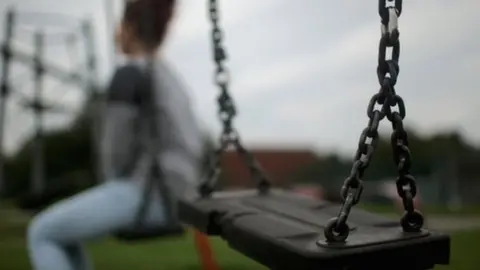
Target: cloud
[(432, 105), (357, 49), (322, 63), (305, 72), (192, 21)]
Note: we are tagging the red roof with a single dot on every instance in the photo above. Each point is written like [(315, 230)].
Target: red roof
[(279, 164)]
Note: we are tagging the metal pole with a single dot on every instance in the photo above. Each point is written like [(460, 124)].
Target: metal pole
[(38, 181), (93, 92), (49, 68), (109, 23), (6, 58), (42, 19)]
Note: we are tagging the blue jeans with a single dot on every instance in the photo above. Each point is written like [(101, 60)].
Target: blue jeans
[(56, 236)]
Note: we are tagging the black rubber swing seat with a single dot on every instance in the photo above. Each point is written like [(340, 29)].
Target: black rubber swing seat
[(284, 230), (149, 233)]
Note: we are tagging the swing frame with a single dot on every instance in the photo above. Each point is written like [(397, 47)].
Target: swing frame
[(246, 224)]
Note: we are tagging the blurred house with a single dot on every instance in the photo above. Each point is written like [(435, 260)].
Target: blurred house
[(449, 183), (280, 164), (314, 191)]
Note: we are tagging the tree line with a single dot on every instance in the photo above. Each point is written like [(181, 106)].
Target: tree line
[(441, 158), (69, 165)]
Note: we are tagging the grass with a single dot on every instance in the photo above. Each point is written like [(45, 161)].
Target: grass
[(109, 254), (464, 251), (171, 254), (181, 254)]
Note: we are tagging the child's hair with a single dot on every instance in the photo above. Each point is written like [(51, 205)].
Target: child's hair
[(149, 20)]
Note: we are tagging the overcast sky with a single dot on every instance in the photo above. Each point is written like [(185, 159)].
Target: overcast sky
[(303, 72)]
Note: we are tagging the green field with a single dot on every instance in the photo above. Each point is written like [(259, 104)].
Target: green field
[(169, 254), (181, 253)]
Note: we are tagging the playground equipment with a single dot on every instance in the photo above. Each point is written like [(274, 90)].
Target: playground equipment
[(40, 67), (83, 76), (281, 230), (155, 181)]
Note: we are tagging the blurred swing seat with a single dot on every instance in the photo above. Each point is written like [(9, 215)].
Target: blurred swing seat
[(149, 233), (284, 230), (142, 230)]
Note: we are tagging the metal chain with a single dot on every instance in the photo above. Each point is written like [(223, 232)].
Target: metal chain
[(337, 229), (226, 113)]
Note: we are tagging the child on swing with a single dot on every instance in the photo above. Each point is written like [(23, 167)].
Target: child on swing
[(56, 236)]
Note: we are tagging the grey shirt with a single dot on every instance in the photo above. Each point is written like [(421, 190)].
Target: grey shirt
[(127, 144)]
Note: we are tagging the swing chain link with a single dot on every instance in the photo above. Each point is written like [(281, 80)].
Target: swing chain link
[(226, 113), (337, 229)]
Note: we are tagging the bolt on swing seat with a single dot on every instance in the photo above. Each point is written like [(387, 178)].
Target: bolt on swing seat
[(283, 230)]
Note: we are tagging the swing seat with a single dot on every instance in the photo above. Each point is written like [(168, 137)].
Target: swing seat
[(149, 233), (284, 230)]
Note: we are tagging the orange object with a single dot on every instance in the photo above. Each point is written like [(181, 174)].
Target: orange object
[(205, 251)]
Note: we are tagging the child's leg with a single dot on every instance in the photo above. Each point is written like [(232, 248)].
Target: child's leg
[(55, 236)]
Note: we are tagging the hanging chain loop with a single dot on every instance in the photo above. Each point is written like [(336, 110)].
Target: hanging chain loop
[(393, 108), (226, 113)]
